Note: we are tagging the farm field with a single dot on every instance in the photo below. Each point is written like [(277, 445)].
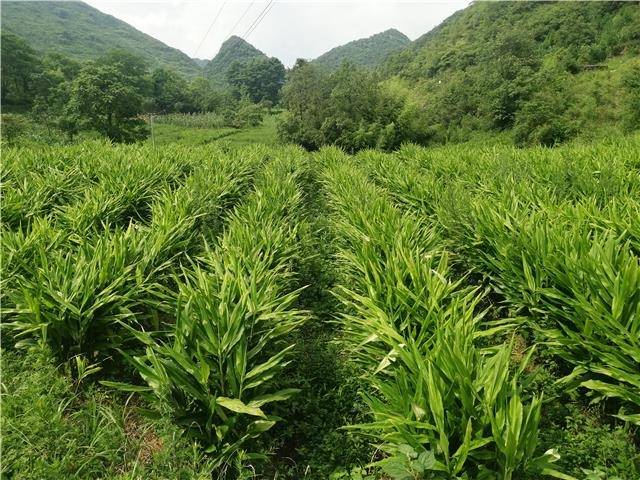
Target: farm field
[(253, 311), (168, 131)]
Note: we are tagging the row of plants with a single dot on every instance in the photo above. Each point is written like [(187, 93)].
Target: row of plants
[(564, 255), (214, 373), (84, 181), (193, 302), (175, 277), (76, 290), (445, 399), (602, 172)]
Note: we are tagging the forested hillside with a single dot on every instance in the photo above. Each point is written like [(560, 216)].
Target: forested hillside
[(79, 31), (523, 72), (579, 34), (365, 52), (234, 49), (547, 70)]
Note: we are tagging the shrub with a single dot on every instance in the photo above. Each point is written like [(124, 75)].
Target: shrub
[(540, 121), (12, 126), (631, 85)]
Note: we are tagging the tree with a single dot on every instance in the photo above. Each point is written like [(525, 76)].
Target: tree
[(514, 60), (360, 114), (132, 66), (259, 78), (348, 108), (541, 120), (631, 86), (169, 92), (204, 97), (245, 114), (103, 98), (19, 65), (304, 96)]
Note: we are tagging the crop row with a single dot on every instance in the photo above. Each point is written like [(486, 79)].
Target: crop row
[(74, 291), (176, 272), (195, 295), (442, 404), (569, 262), (233, 315)]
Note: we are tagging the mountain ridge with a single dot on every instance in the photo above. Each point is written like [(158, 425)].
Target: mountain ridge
[(368, 52), (233, 49), (82, 32)]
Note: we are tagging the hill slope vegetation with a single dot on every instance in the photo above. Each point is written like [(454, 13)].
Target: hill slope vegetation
[(526, 72), (79, 31), (365, 52), (233, 50), (515, 65)]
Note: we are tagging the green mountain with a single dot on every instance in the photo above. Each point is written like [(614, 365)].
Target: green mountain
[(585, 33), (365, 52), (234, 49), (80, 31), (202, 62), (545, 71)]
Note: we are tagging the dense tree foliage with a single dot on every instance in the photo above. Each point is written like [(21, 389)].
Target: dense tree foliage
[(499, 66), (303, 96), (112, 94), (347, 108), (170, 92), (19, 65), (105, 99), (631, 84), (259, 78)]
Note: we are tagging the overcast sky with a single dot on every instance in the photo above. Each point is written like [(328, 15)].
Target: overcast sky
[(290, 30)]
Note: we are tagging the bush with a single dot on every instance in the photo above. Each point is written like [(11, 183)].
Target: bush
[(592, 445), (12, 127), (246, 114), (631, 84), (540, 121)]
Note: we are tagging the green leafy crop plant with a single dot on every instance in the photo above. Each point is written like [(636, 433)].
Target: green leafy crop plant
[(75, 291), (484, 302), (234, 314), (555, 233), (442, 405)]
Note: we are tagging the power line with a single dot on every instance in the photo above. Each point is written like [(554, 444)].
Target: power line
[(258, 19), (244, 14), (261, 19), (210, 27)]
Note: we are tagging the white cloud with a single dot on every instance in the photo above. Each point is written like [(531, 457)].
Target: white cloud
[(292, 29)]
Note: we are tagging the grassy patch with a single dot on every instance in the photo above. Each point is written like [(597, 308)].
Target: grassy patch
[(53, 428), (265, 133)]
